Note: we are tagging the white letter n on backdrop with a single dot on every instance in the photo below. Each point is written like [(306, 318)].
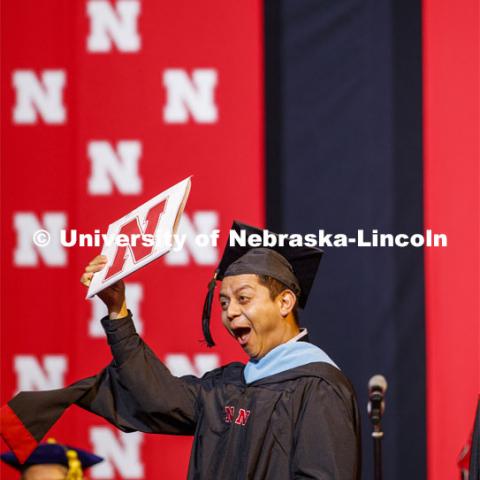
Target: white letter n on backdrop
[(202, 222), (26, 253), (113, 25), (190, 95), (33, 375), (121, 450), (110, 166), (39, 96)]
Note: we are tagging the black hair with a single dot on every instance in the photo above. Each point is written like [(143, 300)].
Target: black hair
[(275, 287)]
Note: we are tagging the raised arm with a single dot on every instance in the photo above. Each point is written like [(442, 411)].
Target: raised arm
[(135, 392)]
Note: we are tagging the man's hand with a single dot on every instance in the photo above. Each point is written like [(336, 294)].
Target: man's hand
[(114, 295)]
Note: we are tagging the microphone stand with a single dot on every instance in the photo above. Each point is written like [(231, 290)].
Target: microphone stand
[(376, 408), (377, 435)]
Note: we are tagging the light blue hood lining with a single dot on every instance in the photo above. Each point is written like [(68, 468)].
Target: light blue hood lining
[(284, 357)]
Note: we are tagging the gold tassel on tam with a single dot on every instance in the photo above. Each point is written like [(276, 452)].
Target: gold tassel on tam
[(75, 471), (74, 466)]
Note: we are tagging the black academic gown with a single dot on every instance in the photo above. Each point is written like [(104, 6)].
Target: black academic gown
[(301, 423)]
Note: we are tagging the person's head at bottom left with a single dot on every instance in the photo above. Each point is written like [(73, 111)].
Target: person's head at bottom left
[(53, 461)]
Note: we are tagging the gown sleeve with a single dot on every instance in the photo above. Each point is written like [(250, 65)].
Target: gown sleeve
[(137, 391), (327, 442)]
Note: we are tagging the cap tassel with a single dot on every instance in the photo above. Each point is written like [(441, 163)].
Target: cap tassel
[(207, 310), (74, 466)]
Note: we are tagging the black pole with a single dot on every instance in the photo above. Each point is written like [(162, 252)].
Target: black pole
[(377, 455)]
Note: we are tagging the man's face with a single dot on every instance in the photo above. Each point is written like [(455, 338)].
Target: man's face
[(45, 472), (250, 315)]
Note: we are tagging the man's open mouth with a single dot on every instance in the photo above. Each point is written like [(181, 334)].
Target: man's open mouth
[(242, 334)]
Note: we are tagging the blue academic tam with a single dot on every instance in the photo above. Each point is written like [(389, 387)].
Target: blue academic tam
[(51, 453)]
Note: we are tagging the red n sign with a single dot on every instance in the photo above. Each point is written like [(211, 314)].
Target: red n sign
[(134, 230)]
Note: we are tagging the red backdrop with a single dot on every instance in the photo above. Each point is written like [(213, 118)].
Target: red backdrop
[(452, 205), (107, 103), (180, 84)]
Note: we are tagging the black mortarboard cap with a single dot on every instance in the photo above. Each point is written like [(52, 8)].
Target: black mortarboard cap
[(51, 453), (295, 267)]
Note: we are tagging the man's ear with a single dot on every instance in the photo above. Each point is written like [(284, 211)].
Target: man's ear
[(287, 300)]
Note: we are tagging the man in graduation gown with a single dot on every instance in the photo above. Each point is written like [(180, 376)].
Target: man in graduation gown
[(289, 413)]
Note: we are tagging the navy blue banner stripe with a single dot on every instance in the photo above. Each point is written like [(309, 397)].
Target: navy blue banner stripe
[(343, 83)]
